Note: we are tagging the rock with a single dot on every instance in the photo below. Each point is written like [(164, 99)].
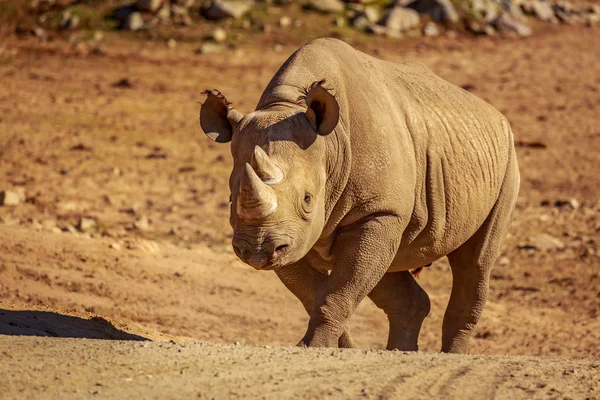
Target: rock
[(142, 224), (115, 246), (180, 15), (164, 14), (285, 21), (340, 22), (148, 5), (545, 242), (430, 29), (69, 21), (503, 261), (361, 23), (171, 43), (209, 48), (540, 9), (219, 35), (438, 10), (327, 6), (400, 19), (484, 11), (9, 198), (574, 203), (372, 14), (222, 9), (508, 23), (86, 224), (134, 22)]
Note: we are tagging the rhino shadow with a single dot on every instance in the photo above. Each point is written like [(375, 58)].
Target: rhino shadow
[(52, 324)]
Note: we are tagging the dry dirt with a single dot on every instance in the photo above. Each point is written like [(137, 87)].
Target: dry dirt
[(114, 137)]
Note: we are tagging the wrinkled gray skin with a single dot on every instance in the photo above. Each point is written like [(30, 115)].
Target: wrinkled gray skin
[(344, 186)]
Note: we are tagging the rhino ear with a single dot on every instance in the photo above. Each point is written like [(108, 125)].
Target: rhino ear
[(217, 117), (323, 109)]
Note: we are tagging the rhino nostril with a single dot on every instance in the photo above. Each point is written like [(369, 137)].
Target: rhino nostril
[(280, 249), (237, 251)]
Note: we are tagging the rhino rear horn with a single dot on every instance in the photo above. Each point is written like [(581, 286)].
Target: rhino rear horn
[(217, 117), (323, 109), (266, 170)]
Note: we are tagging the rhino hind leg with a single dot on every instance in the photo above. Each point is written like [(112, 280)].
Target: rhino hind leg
[(406, 304), (471, 266)]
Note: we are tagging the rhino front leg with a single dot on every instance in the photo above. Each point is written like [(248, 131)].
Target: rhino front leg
[(304, 282), (363, 253)]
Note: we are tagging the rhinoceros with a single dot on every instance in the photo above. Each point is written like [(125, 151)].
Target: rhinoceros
[(351, 173)]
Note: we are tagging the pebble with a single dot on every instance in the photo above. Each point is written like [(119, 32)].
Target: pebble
[(219, 35), (86, 224), (545, 242), (142, 224), (285, 21), (9, 198)]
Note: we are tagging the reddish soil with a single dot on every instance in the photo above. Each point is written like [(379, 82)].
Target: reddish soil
[(81, 144)]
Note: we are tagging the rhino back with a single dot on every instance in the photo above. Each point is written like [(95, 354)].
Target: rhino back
[(412, 144)]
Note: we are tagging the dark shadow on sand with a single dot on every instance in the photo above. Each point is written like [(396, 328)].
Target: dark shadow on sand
[(51, 324)]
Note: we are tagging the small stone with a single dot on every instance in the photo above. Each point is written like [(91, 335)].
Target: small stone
[(115, 246), (372, 14), (222, 9), (9, 198), (142, 224), (508, 23), (541, 9), (164, 14), (148, 5), (327, 6), (430, 29), (340, 22), (86, 224), (285, 21), (574, 203), (209, 48), (134, 22), (361, 23), (69, 21), (171, 43), (545, 242), (98, 35), (219, 35), (503, 261)]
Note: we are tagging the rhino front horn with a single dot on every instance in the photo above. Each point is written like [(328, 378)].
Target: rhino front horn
[(265, 169), (256, 199)]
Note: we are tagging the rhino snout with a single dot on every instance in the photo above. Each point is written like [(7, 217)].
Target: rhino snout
[(261, 256)]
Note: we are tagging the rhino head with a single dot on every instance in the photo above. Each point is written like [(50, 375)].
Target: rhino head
[(279, 174)]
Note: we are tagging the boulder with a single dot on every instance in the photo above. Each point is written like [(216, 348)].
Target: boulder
[(400, 19), (542, 10), (438, 10), (508, 23), (326, 6), (223, 9)]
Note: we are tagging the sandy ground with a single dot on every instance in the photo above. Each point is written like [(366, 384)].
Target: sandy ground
[(78, 144), (72, 369)]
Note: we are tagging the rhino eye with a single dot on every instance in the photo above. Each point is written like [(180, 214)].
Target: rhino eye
[(307, 198)]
